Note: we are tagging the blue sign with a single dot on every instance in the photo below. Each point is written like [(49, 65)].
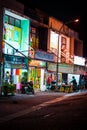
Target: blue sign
[(15, 59), (44, 56)]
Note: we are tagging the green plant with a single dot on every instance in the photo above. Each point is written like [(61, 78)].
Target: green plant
[(8, 88), (11, 88)]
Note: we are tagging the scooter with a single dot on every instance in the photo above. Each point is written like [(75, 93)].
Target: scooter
[(29, 87)]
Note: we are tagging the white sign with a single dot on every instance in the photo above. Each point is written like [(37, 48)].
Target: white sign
[(79, 60)]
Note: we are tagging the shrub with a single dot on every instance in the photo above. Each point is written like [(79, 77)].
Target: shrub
[(8, 88)]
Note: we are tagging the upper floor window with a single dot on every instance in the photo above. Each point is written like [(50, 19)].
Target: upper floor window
[(34, 38), (17, 23), (12, 21), (6, 19)]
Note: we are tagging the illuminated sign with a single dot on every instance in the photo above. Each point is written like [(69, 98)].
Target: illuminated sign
[(17, 37), (37, 63), (15, 59), (79, 60), (44, 56), (53, 42), (64, 52)]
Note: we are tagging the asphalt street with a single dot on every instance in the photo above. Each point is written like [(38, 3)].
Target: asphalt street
[(21, 104)]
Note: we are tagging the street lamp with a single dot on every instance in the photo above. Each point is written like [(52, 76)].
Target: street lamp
[(59, 32)]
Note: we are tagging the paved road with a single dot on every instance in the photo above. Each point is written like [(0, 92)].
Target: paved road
[(19, 102), (20, 105)]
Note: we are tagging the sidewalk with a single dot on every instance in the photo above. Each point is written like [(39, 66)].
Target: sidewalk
[(11, 105)]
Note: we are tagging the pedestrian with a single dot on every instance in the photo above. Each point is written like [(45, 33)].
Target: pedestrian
[(49, 80), (74, 83), (82, 83)]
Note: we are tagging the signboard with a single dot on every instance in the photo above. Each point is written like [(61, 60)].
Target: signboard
[(65, 49), (65, 68), (54, 42), (79, 60), (37, 63), (52, 67), (79, 69), (15, 59), (41, 55)]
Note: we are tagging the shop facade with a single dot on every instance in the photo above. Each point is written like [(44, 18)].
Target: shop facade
[(15, 46), (32, 47), (38, 69)]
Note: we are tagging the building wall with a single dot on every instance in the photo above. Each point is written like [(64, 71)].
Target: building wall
[(13, 4), (75, 42), (72, 47), (55, 24), (1, 32), (78, 49), (1, 35)]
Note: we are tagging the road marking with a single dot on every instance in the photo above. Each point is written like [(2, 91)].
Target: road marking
[(48, 115)]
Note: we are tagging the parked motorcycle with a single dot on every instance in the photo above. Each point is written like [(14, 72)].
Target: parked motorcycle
[(28, 88)]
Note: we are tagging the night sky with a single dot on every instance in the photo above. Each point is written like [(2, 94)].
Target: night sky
[(65, 10)]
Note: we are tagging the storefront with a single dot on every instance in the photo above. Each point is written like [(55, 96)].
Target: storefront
[(15, 46), (37, 73), (14, 66), (38, 69)]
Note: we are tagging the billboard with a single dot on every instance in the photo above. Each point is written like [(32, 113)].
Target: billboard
[(60, 45), (54, 42), (12, 35), (64, 49), (17, 38), (79, 61)]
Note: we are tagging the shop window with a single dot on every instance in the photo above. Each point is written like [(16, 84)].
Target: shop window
[(11, 21), (34, 38)]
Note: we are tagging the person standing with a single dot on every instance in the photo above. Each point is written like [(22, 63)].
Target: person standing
[(82, 83), (74, 83), (49, 80)]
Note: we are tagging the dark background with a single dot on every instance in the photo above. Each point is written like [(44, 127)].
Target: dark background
[(64, 11)]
